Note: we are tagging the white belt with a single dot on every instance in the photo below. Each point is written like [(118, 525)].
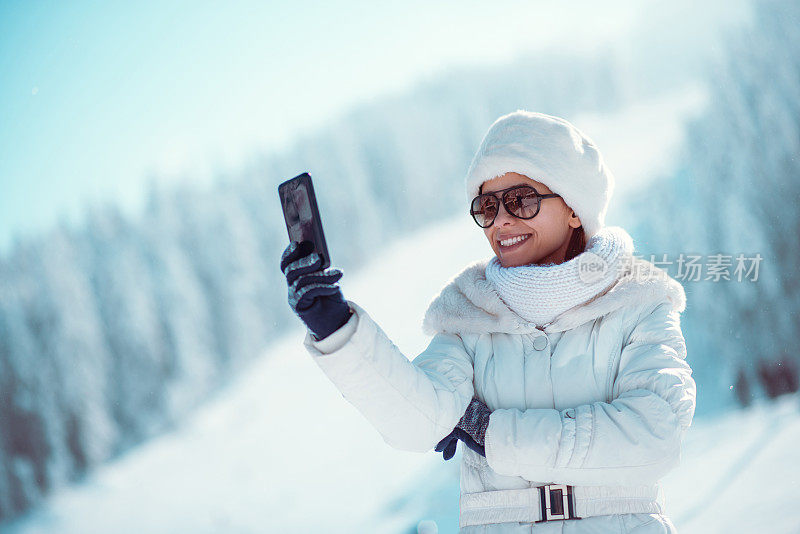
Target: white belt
[(557, 502)]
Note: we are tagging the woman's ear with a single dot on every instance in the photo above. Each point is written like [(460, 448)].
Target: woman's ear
[(574, 220)]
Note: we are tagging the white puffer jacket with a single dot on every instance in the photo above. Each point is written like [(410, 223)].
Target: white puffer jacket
[(599, 399)]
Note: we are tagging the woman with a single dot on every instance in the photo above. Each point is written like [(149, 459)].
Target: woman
[(559, 362)]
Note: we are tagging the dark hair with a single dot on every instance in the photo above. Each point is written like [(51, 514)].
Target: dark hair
[(577, 243)]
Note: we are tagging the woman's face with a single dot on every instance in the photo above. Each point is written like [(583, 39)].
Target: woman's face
[(547, 234)]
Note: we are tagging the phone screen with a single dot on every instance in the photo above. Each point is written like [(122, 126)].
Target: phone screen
[(301, 214)]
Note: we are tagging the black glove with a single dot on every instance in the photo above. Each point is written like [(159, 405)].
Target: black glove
[(471, 429), (313, 294)]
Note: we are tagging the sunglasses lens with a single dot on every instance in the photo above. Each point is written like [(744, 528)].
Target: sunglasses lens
[(522, 202), (484, 210)]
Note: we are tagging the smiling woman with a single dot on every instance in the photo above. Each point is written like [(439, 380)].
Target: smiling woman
[(565, 376), (533, 231)]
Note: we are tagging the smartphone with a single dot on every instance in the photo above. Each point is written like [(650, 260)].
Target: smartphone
[(301, 214)]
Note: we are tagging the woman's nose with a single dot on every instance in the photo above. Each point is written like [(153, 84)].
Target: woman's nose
[(503, 217)]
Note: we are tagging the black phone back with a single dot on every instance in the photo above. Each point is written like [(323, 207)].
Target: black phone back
[(301, 214)]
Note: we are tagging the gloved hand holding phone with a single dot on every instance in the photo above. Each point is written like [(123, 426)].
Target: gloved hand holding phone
[(314, 294)]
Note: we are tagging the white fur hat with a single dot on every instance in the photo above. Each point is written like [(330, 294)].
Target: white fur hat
[(549, 150)]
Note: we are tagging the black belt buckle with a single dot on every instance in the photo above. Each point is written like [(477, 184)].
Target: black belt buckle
[(557, 502)]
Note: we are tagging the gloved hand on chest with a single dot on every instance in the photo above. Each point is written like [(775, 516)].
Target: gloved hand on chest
[(471, 429)]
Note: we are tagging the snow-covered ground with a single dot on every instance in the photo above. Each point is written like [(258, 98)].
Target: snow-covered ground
[(740, 472), (280, 450)]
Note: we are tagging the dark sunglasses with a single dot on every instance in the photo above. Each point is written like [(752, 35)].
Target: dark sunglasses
[(521, 201)]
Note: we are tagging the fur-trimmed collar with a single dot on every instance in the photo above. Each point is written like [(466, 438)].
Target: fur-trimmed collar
[(469, 304)]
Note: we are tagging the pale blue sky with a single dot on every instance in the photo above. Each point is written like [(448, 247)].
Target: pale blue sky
[(95, 96)]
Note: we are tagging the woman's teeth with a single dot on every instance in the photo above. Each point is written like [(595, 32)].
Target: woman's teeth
[(514, 240)]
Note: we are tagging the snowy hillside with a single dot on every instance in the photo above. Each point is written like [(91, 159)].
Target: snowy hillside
[(282, 451)]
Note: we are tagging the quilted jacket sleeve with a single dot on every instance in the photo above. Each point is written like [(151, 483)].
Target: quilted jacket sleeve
[(634, 439), (413, 405)]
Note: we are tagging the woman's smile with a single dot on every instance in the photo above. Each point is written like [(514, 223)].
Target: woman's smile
[(508, 244)]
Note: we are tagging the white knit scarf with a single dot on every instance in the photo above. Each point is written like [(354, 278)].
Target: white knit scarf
[(539, 293)]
